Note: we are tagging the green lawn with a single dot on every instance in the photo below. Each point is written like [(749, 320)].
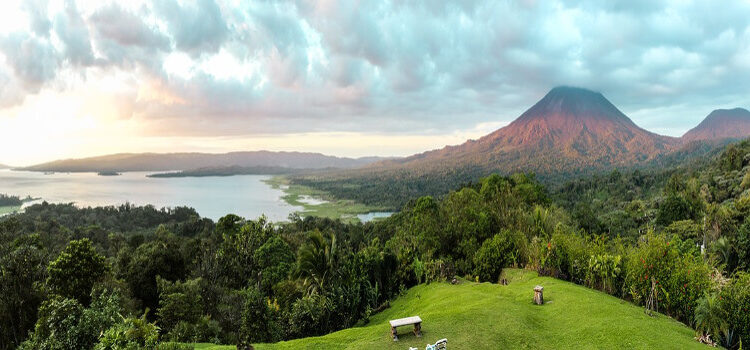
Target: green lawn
[(333, 208), (490, 316), (9, 209)]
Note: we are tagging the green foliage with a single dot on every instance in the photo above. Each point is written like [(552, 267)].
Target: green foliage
[(316, 262), (130, 334), (275, 261), (734, 300), (307, 314), (66, 324), (258, 320), (178, 302), (204, 330), (709, 316), (159, 257), (651, 260), (22, 275), (75, 271), (497, 253), (603, 272), (236, 255)]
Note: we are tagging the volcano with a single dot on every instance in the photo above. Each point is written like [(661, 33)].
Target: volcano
[(570, 129), (721, 124)]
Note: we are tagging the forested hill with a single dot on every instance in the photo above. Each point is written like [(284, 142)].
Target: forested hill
[(569, 133), (190, 161)]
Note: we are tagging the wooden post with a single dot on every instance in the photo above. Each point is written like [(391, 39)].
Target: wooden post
[(538, 295)]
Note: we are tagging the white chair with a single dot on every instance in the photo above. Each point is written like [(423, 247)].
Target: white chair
[(441, 344)]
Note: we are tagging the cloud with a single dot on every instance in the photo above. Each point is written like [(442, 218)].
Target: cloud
[(197, 27), (33, 61), (226, 67)]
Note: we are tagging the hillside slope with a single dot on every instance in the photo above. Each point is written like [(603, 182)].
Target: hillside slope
[(722, 124), (491, 316)]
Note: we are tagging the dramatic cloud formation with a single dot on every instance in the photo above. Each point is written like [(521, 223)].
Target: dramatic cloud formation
[(228, 68)]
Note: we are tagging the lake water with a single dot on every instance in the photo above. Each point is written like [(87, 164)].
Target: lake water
[(213, 197)]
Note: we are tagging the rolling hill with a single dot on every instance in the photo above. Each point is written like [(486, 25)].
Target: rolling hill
[(722, 124), (491, 316), (191, 161)]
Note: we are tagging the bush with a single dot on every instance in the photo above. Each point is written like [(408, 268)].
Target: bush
[(603, 272), (205, 330), (307, 316), (651, 260), (130, 334), (566, 256), (178, 302), (66, 324), (495, 254), (258, 323), (689, 281), (735, 301)]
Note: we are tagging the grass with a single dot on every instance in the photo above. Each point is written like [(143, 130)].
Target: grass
[(9, 209), (490, 316), (346, 210)]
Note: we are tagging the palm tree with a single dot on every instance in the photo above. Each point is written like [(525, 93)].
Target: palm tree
[(316, 261), (709, 317)]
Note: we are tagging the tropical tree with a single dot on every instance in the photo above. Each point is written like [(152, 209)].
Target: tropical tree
[(75, 271), (316, 261), (709, 316)]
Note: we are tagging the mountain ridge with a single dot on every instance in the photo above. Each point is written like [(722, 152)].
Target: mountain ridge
[(123, 162)]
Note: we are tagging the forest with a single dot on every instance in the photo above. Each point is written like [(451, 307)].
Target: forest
[(674, 241)]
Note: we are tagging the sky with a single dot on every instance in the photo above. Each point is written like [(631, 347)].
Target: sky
[(348, 78)]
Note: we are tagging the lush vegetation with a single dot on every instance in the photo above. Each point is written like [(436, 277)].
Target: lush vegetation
[(9, 201), (674, 242), (490, 316)]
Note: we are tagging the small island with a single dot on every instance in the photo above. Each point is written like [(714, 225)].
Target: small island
[(108, 173)]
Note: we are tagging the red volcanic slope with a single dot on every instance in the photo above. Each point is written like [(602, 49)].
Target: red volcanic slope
[(569, 129), (722, 124)]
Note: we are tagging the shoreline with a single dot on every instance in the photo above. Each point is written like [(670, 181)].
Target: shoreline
[(319, 203)]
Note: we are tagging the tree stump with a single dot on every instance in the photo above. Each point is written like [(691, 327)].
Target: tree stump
[(538, 295)]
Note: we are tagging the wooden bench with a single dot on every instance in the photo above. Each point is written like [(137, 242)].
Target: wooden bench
[(414, 320)]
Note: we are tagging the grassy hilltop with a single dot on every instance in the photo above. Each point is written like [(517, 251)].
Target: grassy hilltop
[(490, 316)]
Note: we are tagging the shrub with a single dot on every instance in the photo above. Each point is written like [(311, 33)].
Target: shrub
[(568, 256), (709, 317), (735, 301), (496, 253), (131, 333), (308, 315), (651, 260), (205, 330), (603, 272), (178, 302), (690, 279)]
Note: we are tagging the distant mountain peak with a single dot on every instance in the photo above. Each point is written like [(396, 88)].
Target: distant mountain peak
[(570, 128), (566, 103), (722, 124)]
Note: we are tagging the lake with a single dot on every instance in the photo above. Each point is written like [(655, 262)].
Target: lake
[(213, 197)]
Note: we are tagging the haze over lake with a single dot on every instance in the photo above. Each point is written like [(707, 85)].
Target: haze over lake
[(212, 197)]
